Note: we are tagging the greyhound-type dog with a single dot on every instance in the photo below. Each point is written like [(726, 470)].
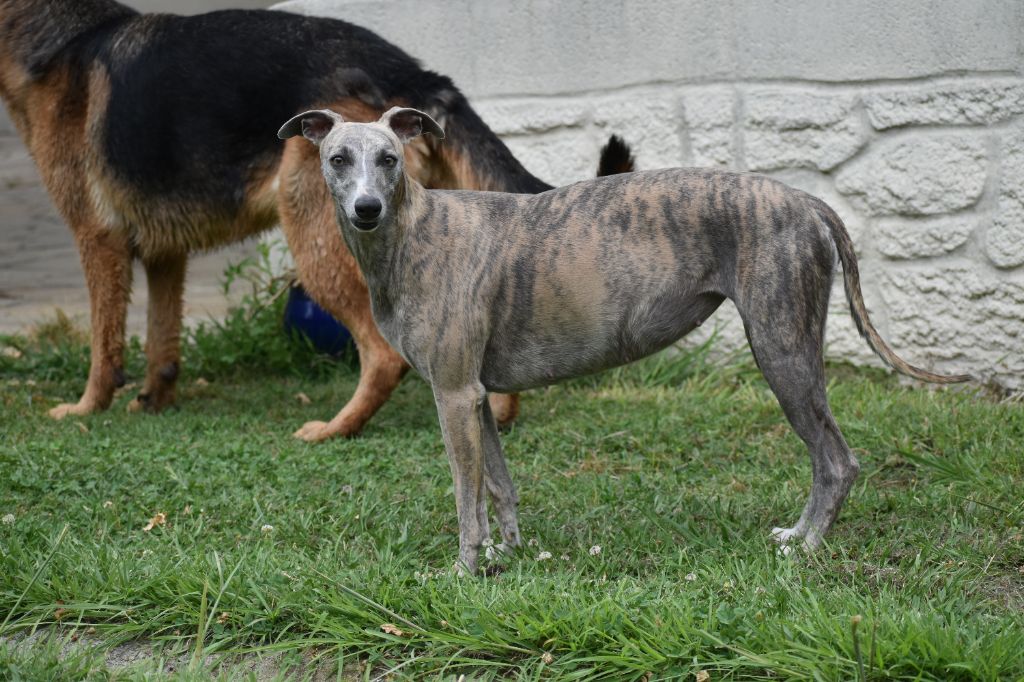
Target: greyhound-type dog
[(482, 291), (149, 133)]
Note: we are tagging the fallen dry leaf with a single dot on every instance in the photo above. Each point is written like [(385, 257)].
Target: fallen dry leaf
[(223, 618), (303, 399), (82, 427), (11, 352), (392, 630), (547, 658), (59, 614), (202, 383), (703, 676), (158, 520)]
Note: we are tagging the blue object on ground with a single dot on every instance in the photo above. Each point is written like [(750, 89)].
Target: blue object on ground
[(303, 315)]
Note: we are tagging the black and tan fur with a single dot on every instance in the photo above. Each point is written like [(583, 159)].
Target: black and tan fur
[(482, 292), (154, 134)]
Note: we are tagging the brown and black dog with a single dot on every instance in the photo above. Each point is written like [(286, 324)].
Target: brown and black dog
[(154, 134)]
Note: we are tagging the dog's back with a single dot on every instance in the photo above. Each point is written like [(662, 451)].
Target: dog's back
[(194, 101)]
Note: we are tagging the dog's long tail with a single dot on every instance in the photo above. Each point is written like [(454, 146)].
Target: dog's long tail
[(851, 278)]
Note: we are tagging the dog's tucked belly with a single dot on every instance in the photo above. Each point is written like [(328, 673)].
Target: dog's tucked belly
[(520, 358)]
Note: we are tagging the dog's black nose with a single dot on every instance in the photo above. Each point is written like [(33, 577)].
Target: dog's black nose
[(368, 208)]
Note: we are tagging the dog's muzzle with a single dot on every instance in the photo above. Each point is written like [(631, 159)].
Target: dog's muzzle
[(368, 210)]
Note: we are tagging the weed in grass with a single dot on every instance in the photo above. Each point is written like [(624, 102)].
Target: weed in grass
[(250, 338)]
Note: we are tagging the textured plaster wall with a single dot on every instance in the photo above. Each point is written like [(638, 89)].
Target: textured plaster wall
[(907, 117)]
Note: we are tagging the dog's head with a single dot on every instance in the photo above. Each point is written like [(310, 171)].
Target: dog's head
[(363, 163)]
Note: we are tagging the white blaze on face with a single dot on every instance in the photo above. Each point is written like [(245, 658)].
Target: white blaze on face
[(363, 179), (366, 173)]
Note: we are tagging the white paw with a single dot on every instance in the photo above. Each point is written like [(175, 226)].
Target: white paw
[(787, 538), (784, 536), (499, 551)]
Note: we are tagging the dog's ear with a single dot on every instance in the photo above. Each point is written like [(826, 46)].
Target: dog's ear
[(410, 123), (312, 125)]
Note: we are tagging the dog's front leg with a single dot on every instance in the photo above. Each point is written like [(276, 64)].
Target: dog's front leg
[(461, 413), (107, 263), (499, 483)]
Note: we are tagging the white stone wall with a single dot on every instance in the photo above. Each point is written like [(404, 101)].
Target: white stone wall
[(907, 117)]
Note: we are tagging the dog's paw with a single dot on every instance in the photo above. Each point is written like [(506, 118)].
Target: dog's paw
[(785, 536), (502, 551), (153, 402), (493, 552), (314, 432), (71, 410), (791, 539), (788, 539)]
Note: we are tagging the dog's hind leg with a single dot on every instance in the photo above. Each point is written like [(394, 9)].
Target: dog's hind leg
[(787, 342), (107, 264), (799, 384), (165, 277), (796, 376)]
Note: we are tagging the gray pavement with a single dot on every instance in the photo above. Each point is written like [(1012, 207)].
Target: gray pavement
[(39, 266)]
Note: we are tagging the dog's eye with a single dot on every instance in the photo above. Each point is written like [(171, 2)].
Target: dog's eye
[(390, 160), (338, 160)]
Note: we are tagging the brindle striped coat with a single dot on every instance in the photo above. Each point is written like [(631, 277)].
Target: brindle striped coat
[(488, 292)]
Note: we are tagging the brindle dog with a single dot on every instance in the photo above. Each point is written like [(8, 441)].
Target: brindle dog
[(150, 135), (482, 292)]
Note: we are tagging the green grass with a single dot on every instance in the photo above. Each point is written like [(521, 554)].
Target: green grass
[(677, 468)]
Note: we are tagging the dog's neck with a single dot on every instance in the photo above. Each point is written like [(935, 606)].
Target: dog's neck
[(375, 251), (34, 33), (386, 255)]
